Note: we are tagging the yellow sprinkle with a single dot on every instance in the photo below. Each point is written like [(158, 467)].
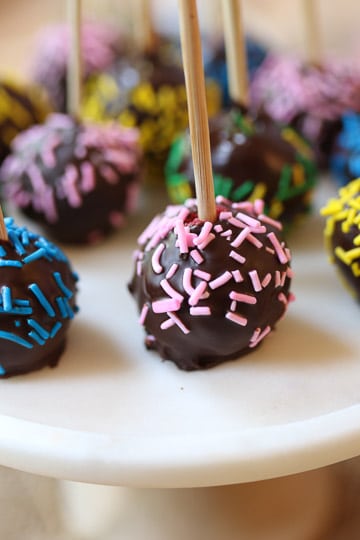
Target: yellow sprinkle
[(347, 257), (276, 209), (258, 192), (298, 174), (297, 142), (355, 268)]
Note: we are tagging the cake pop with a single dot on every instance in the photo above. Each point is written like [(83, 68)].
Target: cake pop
[(21, 106), (101, 45), (211, 279), (252, 157), (342, 234), (37, 301), (78, 180)]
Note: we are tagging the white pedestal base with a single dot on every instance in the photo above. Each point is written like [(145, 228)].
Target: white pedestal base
[(300, 507)]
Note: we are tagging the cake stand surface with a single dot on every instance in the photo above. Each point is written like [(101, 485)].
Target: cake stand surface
[(112, 413)]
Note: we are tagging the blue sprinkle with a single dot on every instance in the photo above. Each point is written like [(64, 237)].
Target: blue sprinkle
[(16, 339), (35, 289), (13, 237), (36, 337), (39, 329), (2, 370), (55, 329), (25, 237), (62, 307), (2, 252), (38, 254), (6, 298), (69, 309), (17, 323), (22, 302), (61, 285), (18, 264)]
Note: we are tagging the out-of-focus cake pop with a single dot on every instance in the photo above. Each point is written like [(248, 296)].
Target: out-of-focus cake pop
[(21, 106), (37, 301), (101, 45), (252, 157), (342, 235), (310, 96), (211, 279)]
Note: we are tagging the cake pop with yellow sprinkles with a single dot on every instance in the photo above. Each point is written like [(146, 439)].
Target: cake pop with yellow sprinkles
[(342, 235)]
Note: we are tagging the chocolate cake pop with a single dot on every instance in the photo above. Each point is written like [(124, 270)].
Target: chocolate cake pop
[(78, 180), (101, 45), (251, 158), (37, 301), (210, 292), (345, 159), (21, 106), (310, 98), (342, 234)]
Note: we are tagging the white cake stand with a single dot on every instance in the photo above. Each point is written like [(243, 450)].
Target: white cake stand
[(112, 413)]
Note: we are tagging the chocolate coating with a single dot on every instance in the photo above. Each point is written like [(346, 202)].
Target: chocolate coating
[(210, 292), (77, 180), (342, 233), (250, 159), (37, 301)]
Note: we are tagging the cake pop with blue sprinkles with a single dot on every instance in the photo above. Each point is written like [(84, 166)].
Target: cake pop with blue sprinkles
[(37, 300)]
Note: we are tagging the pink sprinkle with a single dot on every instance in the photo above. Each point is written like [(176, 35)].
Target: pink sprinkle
[(202, 275), (181, 234), (259, 206), (165, 305), (270, 221), (165, 285), (238, 319), (226, 233), (87, 177), (187, 281), (200, 310), (205, 230), (167, 324), (257, 336), (265, 282), (246, 206), (48, 154), (69, 185), (237, 276), (255, 241), (225, 216), (278, 249), (236, 223), (239, 258), (109, 174), (221, 280), (277, 278), (178, 322), (282, 298), (270, 250), (218, 228), (283, 277), (149, 231), (172, 270), (155, 260), (254, 276), (36, 177), (139, 268), (143, 314), (116, 219), (198, 293), (196, 255), (240, 237), (233, 305), (291, 297), (240, 297), (210, 237), (248, 219)]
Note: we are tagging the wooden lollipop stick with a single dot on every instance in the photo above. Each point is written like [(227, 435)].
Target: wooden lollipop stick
[(74, 82), (143, 29), (3, 231), (312, 34), (235, 48), (198, 118)]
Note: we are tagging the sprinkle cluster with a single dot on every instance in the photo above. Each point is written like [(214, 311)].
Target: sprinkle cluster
[(175, 262), (32, 313), (345, 161), (290, 184), (344, 212), (62, 161)]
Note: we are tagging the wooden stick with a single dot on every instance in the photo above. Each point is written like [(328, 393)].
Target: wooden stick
[(143, 29), (235, 48), (3, 230), (198, 118), (311, 31), (74, 74)]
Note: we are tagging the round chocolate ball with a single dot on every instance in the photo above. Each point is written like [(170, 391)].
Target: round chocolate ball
[(210, 292)]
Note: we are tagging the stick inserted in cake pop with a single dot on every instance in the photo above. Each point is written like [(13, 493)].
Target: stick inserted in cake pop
[(198, 118), (143, 28), (235, 52), (3, 230), (312, 33), (74, 84)]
